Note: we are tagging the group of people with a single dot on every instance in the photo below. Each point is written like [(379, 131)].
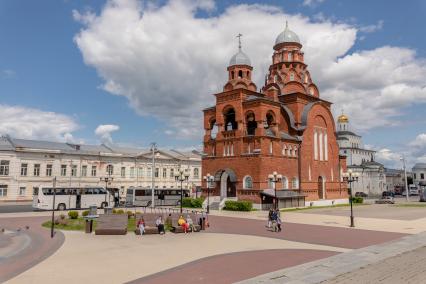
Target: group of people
[(187, 224), (274, 220), (158, 222)]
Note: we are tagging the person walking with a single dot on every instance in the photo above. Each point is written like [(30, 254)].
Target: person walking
[(274, 217), (269, 218)]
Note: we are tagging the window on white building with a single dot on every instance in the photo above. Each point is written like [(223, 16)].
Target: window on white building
[(149, 172), (164, 173), (4, 168), (93, 171), (248, 182), (196, 172), (3, 190), (157, 172), (110, 170), (123, 172), (22, 191), (422, 176), (172, 173), (74, 170), (49, 168), (132, 172), (24, 169), (63, 170), (84, 171)]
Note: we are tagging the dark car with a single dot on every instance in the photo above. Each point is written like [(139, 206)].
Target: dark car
[(388, 194), (361, 194)]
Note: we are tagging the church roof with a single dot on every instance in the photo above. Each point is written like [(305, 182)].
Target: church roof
[(240, 58), (342, 118), (345, 132), (287, 36)]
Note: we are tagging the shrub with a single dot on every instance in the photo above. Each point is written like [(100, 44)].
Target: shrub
[(192, 202), (120, 211), (73, 214), (114, 211), (85, 213), (357, 199), (238, 205), (129, 214), (62, 216)]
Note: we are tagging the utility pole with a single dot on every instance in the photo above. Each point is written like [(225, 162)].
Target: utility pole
[(405, 177), (153, 150)]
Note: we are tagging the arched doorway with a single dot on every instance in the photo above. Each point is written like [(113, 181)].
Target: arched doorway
[(227, 179), (321, 187)]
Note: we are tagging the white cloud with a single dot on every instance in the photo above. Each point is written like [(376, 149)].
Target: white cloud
[(104, 132), (30, 123), (7, 73), (312, 3), (372, 28), (167, 61)]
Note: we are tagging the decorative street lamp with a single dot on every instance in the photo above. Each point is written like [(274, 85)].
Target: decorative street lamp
[(275, 177), (52, 226), (181, 176), (107, 180), (209, 180), (405, 179), (351, 177)]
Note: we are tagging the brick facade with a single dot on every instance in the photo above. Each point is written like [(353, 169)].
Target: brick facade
[(286, 127)]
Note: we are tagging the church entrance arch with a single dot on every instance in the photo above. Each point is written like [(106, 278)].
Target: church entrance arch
[(321, 187), (227, 180)]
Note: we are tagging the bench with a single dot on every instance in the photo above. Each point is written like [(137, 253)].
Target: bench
[(111, 224), (150, 226), (178, 229)]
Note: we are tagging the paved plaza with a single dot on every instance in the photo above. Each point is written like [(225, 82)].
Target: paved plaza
[(237, 244)]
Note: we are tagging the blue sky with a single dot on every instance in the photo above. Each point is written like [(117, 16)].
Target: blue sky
[(43, 68)]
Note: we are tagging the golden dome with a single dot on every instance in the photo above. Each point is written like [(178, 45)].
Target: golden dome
[(342, 118)]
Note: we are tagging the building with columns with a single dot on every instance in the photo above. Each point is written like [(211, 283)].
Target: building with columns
[(284, 127), (26, 164), (372, 177)]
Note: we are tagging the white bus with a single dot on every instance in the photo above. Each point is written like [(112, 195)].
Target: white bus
[(162, 197), (70, 198)]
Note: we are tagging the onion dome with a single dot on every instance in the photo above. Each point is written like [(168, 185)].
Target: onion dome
[(240, 58), (342, 118), (287, 36)]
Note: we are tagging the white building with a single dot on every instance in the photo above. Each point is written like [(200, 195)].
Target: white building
[(419, 175), (26, 164), (372, 179)]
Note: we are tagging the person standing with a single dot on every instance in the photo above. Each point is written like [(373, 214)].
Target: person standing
[(160, 225), (141, 225), (269, 218)]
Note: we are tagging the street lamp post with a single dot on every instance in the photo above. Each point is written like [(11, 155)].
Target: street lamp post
[(405, 179), (107, 180), (209, 179), (275, 177), (351, 177), (181, 176), (52, 233)]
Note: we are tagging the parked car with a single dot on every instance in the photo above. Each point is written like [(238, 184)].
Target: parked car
[(361, 194), (385, 200), (387, 194)]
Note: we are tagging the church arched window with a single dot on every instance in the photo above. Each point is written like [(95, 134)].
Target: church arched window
[(213, 129), (248, 74), (290, 56), (285, 182), (230, 122), (291, 76), (248, 182), (232, 75), (295, 183), (240, 74), (311, 91), (251, 124)]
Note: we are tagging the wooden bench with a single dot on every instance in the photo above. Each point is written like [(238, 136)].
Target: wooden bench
[(178, 229), (150, 226), (111, 224)]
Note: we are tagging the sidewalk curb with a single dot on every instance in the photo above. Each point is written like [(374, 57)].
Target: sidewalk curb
[(325, 269)]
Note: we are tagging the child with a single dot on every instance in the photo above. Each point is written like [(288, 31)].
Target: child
[(141, 225)]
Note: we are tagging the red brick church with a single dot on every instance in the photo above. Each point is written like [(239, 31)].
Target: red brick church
[(285, 128)]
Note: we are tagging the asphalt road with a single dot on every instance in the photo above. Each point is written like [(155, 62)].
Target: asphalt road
[(9, 208)]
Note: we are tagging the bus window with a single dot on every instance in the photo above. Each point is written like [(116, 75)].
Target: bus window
[(140, 192), (102, 191), (96, 191), (89, 191), (156, 192), (148, 192), (130, 191), (47, 191)]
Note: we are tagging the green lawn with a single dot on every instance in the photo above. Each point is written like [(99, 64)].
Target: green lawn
[(320, 207)]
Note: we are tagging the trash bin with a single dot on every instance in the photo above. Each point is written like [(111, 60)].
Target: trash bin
[(89, 226)]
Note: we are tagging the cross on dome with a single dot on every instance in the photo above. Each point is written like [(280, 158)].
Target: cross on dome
[(240, 58)]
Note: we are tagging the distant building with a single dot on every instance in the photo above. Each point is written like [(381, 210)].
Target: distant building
[(28, 164), (372, 179), (419, 175), (395, 179)]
